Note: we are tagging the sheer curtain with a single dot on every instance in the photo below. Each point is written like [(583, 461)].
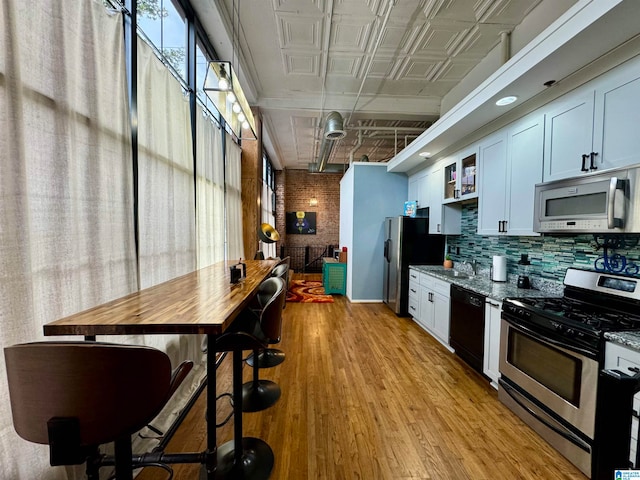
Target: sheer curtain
[(66, 202), (235, 248), (165, 162), (210, 188)]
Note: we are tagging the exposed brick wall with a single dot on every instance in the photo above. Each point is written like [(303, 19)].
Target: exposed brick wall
[(294, 189)]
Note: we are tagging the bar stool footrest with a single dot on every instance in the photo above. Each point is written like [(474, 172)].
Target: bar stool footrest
[(269, 357)]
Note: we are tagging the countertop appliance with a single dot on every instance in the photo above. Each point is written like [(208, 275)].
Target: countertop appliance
[(551, 354), (499, 268), (599, 202), (406, 242), (466, 332)]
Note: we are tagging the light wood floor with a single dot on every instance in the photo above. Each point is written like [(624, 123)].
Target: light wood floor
[(368, 395)]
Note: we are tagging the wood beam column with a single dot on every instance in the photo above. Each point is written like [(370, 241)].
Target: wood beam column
[(251, 188)]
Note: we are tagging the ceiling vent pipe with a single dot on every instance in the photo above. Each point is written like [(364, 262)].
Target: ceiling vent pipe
[(333, 130)]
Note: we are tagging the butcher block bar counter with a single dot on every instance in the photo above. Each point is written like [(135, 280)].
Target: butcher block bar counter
[(204, 301)]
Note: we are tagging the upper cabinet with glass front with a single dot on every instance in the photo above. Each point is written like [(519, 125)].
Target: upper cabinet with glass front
[(460, 180)]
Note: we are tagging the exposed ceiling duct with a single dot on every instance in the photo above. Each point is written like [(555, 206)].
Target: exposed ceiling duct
[(330, 168), (333, 130)]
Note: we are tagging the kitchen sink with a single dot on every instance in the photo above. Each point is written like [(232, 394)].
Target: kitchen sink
[(454, 274)]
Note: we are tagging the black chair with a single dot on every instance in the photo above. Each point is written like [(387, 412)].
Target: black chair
[(263, 324), (270, 357), (76, 396), (243, 458)]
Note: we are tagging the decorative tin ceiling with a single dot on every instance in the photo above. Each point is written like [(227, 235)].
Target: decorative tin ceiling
[(383, 64)]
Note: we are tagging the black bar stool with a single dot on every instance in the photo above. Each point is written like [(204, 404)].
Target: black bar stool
[(243, 458), (270, 357), (263, 324)]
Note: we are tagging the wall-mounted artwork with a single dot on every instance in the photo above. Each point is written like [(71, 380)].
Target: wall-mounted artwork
[(302, 223)]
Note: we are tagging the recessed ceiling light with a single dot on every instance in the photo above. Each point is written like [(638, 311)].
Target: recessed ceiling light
[(506, 100), (425, 154)]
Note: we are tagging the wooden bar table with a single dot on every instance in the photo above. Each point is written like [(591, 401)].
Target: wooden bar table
[(202, 302)]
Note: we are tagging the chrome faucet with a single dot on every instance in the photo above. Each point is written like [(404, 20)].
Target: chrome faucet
[(474, 266)]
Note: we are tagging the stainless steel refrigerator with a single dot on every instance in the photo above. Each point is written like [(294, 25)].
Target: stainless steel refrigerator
[(407, 242)]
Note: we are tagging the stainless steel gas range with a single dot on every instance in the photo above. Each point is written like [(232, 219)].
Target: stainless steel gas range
[(552, 354)]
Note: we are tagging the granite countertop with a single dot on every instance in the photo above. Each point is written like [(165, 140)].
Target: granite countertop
[(498, 291), (628, 339), (482, 284)]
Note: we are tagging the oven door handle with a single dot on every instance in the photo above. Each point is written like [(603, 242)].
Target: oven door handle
[(557, 428), (551, 341)]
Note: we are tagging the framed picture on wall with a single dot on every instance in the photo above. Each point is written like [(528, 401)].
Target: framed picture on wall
[(301, 223)]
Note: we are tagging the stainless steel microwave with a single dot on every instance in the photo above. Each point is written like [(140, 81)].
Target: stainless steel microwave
[(602, 202)]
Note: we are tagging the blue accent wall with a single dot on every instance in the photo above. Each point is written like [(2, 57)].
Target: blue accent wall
[(377, 194), (550, 255)]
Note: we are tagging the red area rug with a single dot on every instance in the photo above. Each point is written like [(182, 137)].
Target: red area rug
[(305, 291)]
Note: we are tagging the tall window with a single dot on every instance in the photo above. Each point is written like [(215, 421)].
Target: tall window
[(268, 203), (164, 25), (201, 73)]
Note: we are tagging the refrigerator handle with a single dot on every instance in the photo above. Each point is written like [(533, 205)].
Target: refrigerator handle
[(387, 244)]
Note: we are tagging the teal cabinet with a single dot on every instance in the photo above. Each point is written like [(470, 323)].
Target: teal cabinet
[(334, 276)]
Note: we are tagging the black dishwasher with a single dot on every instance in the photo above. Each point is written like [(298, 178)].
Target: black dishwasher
[(466, 334)]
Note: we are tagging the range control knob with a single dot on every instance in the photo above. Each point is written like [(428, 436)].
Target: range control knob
[(570, 332)]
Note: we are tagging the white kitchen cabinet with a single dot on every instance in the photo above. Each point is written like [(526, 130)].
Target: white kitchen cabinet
[(595, 127), (568, 135), (435, 308), (511, 163), (418, 189), (525, 140), (443, 219), (617, 116), (425, 318), (441, 306), (491, 359), (492, 155)]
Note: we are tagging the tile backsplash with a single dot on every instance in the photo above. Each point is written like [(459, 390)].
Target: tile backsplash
[(550, 255)]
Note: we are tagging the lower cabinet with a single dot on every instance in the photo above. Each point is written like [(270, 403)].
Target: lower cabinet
[(619, 356), (432, 306), (414, 293), (491, 359)]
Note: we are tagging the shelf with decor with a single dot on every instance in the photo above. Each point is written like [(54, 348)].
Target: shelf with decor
[(460, 177)]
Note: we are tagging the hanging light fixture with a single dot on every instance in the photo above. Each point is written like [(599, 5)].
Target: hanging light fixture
[(223, 89)]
